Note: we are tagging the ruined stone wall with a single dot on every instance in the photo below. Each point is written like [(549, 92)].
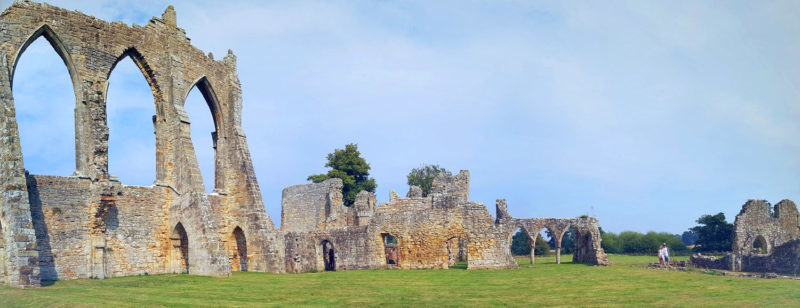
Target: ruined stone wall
[(120, 232), (430, 231), (354, 249), (588, 243), (757, 219), (775, 230), (90, 49), (308, 207)]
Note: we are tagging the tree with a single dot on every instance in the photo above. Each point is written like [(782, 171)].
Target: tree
[(541, 248), (349, 166), (520, 243), (424, 175), (713, 233), (689, 238)]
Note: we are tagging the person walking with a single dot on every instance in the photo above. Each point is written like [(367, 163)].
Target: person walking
[(665, 254), (661, 255)]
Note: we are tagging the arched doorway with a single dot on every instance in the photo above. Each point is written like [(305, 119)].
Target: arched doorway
[(239, 250), (457, 253), (328, 255), (760, 245), (180, 249), (390, 249)]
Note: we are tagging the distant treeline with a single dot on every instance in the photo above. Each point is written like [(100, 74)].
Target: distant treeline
[(629, 242)]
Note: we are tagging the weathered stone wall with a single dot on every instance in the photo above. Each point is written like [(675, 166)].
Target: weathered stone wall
[(430, 231), (122, 231), (90, 49), (758, 220)]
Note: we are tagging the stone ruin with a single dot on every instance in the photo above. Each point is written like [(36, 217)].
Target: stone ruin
[(764, 240), (414, 232), (90, 225)]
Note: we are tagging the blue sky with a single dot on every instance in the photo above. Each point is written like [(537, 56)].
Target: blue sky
[(645, 114)]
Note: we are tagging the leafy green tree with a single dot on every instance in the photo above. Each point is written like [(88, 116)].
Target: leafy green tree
[(611, 243), (689, 237), (424, 175), (520, 243), (713, 233), (348, 165), (541, 248)]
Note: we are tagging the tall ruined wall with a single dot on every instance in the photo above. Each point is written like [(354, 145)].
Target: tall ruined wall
[(90, 49), (307, 207), (757, 219), (777, 232)]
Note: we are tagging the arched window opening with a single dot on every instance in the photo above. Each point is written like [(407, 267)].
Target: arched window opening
[(130, 109), (238, 250), (760, 245), (390, 248), (457, 253), (199, 103), (44, 99), (180, 249), (328, 255)]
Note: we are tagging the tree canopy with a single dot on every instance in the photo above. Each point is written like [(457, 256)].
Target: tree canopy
[(713, 233), (348, 165), (629, 242), (424, 175)]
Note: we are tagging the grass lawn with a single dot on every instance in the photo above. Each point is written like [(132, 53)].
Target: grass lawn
[(543, 284)]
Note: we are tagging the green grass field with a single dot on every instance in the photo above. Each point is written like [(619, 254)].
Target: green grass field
[(544, 284)]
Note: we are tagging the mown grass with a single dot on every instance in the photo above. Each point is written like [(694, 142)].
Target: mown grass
[(626, 283)]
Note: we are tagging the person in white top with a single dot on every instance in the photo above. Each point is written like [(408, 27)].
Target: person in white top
[(661, 255), (665, 253)]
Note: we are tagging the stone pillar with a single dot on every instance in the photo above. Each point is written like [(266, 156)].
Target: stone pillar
[(19, 239), (558, 251), (532, 253)]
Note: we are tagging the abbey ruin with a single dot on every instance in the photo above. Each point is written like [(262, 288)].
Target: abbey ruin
[(765, 239), (91, 225)]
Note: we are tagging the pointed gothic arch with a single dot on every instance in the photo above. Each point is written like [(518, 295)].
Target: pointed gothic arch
[(180, 249), (73, 160), (203, 85), (131, 134), (58, 45)]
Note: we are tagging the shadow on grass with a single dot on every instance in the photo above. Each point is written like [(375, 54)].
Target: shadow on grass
[(459, 266), (47, 283)]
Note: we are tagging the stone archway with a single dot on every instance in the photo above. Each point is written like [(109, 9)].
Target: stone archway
[(457, 251), (390, 248), (328, 255), (238, 248), (760, 245), (180, 249)]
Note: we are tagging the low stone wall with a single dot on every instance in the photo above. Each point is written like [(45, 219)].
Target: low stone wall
[(121, 230), (783, 259), (710, 262)]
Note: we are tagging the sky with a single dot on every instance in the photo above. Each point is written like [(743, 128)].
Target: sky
[(644, 114)]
